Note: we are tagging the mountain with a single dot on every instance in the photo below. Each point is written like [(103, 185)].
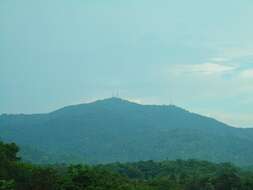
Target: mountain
[(113, 129)]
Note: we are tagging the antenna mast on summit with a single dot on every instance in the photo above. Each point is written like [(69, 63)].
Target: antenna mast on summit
[(116, 94), (171, 101)]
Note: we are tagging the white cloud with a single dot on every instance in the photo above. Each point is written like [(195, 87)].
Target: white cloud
[(219, 59), (234, 53), (204, 68), (247, 74), (234, 119), (221, 97), (138, 101)]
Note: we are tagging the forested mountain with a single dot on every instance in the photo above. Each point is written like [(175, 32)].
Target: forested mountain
[(118, 130)]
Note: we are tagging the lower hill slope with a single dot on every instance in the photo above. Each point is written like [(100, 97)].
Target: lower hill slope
[(113, 130)]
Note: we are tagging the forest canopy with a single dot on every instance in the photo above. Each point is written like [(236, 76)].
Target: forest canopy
[(142, 175)]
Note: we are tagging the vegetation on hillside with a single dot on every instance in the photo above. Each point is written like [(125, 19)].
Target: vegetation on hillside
[(143, 175), (114, 130)]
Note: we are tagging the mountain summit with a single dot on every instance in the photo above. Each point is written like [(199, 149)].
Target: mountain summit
[(114, 129)]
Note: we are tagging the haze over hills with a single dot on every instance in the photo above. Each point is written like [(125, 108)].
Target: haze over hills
[(114, 129)]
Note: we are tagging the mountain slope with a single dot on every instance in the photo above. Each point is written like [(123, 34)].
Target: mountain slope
[(118, 130)]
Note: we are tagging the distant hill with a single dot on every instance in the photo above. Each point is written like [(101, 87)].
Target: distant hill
[(118, 130)]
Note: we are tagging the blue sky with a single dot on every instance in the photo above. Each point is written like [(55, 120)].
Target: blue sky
[(195, 54)]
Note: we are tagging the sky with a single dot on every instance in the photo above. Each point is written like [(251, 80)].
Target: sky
[(195, 54)]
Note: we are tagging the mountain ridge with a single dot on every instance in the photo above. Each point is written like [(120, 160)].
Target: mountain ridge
[(115, 100), (112, 100), (118, 130)]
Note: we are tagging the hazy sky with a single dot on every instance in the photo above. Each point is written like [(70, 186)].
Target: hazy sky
[(196, 54)]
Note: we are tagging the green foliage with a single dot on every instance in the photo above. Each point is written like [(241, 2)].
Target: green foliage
[(143, 175), (117, 130), (7, 184), (186, 175), (85, 177), (7, 159)]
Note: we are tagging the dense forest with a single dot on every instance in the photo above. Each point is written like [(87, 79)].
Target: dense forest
[(114, 129), (142, 175)]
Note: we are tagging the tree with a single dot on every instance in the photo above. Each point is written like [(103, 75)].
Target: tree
[(7, 185)]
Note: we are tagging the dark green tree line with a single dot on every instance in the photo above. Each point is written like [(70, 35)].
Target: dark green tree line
[(143, 175)]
